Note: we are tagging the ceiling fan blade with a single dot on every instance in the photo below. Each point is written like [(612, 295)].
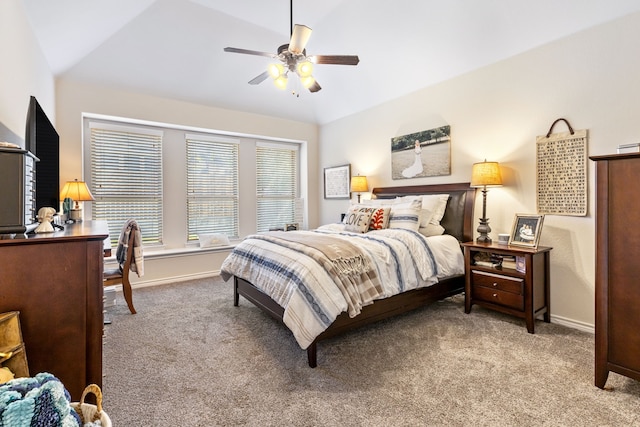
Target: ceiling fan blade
[(299, 38), (259, 78), (314, 87), (335, 59), (249, 52)]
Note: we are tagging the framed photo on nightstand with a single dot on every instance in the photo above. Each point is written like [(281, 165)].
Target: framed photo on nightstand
[(526, 230)]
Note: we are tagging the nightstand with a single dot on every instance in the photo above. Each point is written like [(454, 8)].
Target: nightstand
[(524, 294)]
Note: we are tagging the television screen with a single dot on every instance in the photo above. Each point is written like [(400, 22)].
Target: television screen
[(42, 140)]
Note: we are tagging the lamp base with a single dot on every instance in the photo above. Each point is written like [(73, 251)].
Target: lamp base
[(484, 230), (75, 215)]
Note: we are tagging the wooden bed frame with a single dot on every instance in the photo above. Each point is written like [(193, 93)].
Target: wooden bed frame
[(457, 221)]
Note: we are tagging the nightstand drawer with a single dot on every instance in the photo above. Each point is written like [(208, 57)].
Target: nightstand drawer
[(508, 299), (497, 282)]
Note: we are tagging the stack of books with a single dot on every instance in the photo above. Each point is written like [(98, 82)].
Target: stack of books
[(491, 260), (484, 259), (514, 262), (508, 261)]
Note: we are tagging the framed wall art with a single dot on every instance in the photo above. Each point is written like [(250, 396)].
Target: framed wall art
[(420, 154), (526, 230), (336, 182), (561, 172)]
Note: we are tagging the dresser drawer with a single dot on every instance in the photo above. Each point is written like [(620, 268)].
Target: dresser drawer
[(498, 289), (497, 282)]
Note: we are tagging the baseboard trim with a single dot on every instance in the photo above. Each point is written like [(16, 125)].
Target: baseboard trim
[(560, 320), (575, 324), (169, 280)]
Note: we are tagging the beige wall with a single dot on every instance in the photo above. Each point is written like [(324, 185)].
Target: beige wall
[(591, 79), (23, 72)]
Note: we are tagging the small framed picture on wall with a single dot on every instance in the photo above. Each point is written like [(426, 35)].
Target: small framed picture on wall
[(337, 182)]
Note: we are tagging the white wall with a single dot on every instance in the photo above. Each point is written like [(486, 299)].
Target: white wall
[(75, 98), (591, 79), (23, 72)]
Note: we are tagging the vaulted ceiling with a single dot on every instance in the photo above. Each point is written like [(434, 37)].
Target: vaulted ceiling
[(174, 48)]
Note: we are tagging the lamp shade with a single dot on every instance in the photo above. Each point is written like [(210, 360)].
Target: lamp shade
[(77, 191), (486, 174), (359, 184)]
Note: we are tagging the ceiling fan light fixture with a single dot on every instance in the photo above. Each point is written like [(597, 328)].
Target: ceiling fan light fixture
[(293, 58), (275, 70), (305, 69), (281, 82), (299, 38), (307, 82)]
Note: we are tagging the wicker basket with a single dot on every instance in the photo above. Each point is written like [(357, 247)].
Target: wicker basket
[(91, 413)]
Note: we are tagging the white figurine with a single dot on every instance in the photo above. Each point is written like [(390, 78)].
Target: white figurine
[(45, 217)]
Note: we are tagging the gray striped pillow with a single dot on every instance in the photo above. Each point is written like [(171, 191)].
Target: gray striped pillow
[(405, 215)]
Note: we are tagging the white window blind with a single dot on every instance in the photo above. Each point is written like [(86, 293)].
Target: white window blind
[(126, 178), (212, 186), (276, 185)]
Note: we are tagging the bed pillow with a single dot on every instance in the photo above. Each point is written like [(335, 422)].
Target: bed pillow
[(213, 239), (431, 230), (358, 218), (378, 202), (405, 215), (439, 201), (380, 218), (433, 207)]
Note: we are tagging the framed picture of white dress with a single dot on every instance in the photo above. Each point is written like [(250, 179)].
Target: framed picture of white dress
[(420, 154)]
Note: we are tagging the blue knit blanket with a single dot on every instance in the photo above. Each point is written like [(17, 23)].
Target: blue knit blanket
[(40, 401)]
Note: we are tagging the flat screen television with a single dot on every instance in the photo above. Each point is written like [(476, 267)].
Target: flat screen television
[(42, 140)]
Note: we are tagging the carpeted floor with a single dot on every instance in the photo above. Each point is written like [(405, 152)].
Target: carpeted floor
[(190, 358)]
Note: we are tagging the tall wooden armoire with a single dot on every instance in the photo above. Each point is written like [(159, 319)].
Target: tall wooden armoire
[(617, 266)]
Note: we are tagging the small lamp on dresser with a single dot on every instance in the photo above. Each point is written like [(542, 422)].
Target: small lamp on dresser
[(485, 174), (359, 185), (78, 192)]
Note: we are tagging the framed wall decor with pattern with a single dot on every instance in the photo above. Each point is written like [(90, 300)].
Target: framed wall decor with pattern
[(561, 172), (337, 181)]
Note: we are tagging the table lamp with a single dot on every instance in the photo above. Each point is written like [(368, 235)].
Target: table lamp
[(485, 174), (359, 185), (78, 192)]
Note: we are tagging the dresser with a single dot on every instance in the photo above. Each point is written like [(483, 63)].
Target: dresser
[(617, 295), (55, 281)]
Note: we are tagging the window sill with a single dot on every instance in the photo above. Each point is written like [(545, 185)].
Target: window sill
[(191, 249)]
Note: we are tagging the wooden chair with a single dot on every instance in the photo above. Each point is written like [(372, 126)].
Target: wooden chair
[(114, 276)]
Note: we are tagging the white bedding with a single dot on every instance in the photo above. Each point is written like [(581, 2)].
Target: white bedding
[(311, 300)]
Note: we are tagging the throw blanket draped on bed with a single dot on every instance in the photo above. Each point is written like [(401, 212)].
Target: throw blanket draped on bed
[(352, 270), (316, 275)]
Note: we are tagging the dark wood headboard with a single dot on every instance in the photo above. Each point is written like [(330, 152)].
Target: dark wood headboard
[(458, 218)]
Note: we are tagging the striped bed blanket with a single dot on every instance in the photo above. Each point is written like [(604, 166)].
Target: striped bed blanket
[(316, 275)]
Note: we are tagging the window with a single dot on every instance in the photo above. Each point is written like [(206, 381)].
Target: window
[(181, 181), (126, 178), (276, 185), (212, 186)]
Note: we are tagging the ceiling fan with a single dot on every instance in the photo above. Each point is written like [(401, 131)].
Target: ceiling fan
[(293, 59)]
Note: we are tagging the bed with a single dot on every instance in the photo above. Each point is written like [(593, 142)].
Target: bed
[(248, 277)]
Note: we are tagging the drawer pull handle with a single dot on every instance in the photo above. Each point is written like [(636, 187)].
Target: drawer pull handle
[(495, 284), (495, 295)]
